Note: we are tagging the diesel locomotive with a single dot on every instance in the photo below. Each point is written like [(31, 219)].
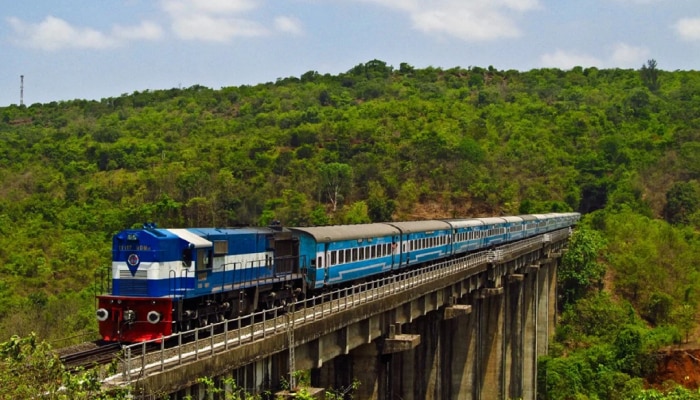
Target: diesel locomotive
[(168, 280)]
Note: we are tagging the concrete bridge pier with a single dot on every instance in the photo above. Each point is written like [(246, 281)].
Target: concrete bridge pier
[(416, 372), (253, 378), (460, 351), (514, 367), (490, 344)]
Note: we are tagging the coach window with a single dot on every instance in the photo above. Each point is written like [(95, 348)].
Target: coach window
[(333, 258), (320, 262), (341, 253)]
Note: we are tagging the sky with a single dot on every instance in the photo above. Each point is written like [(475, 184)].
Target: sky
[(91, 49)]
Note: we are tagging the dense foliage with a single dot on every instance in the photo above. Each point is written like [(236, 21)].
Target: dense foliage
[(607, 340), (372, 144), (30, 369)]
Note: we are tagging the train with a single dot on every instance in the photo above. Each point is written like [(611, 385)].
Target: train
[(165, 281)]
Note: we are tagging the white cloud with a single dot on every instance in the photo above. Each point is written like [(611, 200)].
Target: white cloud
[(147, 30), (688, 28), (221, 6), (469, 20), (567, 60), (625, 55), (288, 25), (56, 34), (621, 55), (208, 20), (640, 1)]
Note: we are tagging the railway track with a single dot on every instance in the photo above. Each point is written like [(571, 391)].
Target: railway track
[(88, 354), (91, 354)]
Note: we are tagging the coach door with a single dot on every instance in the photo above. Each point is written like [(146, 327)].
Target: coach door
[(324, 262), (396, 252)]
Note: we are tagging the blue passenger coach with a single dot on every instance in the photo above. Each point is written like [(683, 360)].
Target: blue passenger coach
[(423, 241), (344, 253), (466, 234), (494, 231)]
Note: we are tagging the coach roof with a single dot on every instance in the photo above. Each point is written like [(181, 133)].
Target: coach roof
[(336, 233), (421, 226)]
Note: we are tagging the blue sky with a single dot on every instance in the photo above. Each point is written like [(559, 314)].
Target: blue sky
[(88, 49)]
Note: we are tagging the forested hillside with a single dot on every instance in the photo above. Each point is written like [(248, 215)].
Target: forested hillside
[(375, 143)]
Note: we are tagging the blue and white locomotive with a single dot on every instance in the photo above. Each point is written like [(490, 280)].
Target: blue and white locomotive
[(170, 280)]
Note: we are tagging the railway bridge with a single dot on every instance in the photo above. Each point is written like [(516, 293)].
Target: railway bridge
[(468, 328)]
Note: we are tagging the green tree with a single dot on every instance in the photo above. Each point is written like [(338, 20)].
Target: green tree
[(682, 200), (580, 269), (336, 181), (650, 75), (357, 214), (380, 207)]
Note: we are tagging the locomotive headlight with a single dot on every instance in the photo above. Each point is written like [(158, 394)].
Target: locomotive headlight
[(153, 317), (102, 315), (129, 316)]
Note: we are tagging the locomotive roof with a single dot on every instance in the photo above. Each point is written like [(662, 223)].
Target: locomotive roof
[(207, 232), (418, 226), (190, 237), (333, 233)]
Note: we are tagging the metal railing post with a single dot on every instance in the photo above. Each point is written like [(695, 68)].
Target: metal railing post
[(162, 353)]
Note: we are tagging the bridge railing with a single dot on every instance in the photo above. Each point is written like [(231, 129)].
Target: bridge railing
[(222, 336)]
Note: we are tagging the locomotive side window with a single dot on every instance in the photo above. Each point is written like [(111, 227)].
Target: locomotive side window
[(220, 247)]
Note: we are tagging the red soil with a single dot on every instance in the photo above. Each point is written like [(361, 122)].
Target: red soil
[(680, 366)]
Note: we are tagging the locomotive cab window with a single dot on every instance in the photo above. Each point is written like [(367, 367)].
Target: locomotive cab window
[(203, 259), (187, 257)]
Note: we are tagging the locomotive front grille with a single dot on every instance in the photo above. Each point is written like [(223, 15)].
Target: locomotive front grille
[(136, 285), (138, 275)]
